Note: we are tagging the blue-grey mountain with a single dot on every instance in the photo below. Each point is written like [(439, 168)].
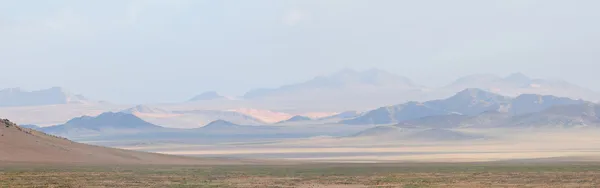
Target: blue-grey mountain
[(56, 95)]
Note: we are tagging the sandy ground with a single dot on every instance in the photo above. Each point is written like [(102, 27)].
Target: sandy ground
[(508, 145)]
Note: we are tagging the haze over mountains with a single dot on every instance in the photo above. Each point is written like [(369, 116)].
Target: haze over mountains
[(56, 95), (518, 83), (469, 102), (341, 91), (347, 79), (372, 93), (582, 115), (471, 117), (210, 95)]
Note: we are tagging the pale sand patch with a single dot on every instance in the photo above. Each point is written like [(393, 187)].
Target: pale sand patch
[(457, 157), (514, 144), (155, 115), (264, 115), (459, 148), (316, 115)]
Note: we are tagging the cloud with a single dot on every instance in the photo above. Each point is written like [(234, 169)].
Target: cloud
[(294, 17)]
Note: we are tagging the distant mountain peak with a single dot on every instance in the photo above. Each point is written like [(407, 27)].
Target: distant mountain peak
[(220, 124), (144, 109), (209, 95), (341, 81), (474, 93), (296, 118), (104, 121), (518, 77), (51, 96), (299, 118)]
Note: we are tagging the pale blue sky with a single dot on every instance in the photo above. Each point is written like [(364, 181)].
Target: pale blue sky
[(137, 51)]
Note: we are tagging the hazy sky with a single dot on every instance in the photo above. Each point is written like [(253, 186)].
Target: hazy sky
[(139, 51)]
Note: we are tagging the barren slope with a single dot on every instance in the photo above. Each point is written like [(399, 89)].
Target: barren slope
[(21, 145)]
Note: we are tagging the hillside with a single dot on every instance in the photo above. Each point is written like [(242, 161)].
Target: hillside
[(565, 116), (530, 103), (397, 113), (21, 145), (471, 102)]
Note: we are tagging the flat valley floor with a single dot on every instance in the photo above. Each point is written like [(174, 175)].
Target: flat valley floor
[(488, 174), (498, 145)]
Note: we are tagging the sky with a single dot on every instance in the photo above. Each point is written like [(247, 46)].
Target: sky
[(141, 51)]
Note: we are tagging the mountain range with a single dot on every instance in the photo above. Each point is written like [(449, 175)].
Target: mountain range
[(518, 84), (450, 126), (371, 88), (469, 102), (341, 91), (56, 95), (436, 120), (560, 116), (345, 79)]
